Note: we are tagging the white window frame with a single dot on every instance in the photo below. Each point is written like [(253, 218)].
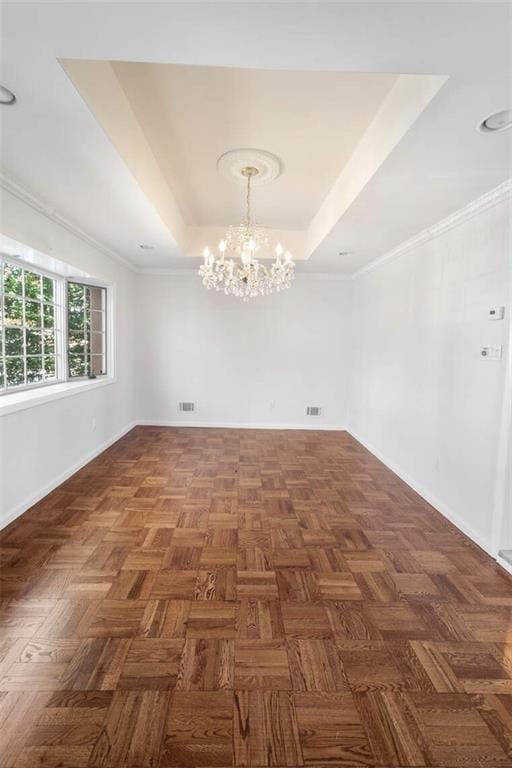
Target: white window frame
[(61, 329)]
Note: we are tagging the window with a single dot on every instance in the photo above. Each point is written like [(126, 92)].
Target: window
[(51, 329), (86, 330), (28, 327)]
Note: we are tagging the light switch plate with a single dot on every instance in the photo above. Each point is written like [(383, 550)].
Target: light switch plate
[(492, 352), (496, 313)]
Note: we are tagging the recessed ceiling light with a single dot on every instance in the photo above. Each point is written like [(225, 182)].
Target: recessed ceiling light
[(146, 247), (498, 121), (6, 96)]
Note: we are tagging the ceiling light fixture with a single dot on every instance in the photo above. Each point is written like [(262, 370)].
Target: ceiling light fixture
[(246, 277), (498, 121), (7, 97)]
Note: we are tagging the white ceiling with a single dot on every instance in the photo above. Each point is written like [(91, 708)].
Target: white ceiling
[(54, 145)]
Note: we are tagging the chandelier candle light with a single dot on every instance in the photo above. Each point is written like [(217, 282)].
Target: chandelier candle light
[(236, 270)]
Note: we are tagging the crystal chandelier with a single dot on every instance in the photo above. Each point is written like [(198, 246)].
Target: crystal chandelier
[(236, 270)]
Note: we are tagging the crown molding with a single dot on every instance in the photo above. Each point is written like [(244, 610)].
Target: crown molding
[(482, 203), (9, 184)]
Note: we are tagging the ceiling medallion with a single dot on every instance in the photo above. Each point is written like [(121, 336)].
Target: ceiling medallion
[(237, 270)]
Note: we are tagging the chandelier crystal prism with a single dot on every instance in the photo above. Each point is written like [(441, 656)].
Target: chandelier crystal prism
[(237, 269)]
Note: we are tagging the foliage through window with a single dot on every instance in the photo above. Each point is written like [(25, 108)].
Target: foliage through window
[(86, 330), (27, 327), (51, 330)]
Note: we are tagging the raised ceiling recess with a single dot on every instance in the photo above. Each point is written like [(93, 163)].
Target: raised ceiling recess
[(330, 131)]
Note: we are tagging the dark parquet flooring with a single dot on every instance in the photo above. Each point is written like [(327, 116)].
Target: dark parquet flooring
[(200, 597)]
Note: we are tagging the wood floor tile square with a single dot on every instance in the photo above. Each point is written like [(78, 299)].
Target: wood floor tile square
[(215, 557), (295, 585), (96, 665), (370, 666), (456, 733), (133, 730), (216, 584), (199, 729), (261, 664), (316, 665), (397, 620), (330, 730), (151, 664), (259, 620), (337, 586), (174, 585), (260, 585), (265, 730), (306, 620), (114, 618), (290, 558), (207, 665), (211, 619), (144, 560), (182, 558)]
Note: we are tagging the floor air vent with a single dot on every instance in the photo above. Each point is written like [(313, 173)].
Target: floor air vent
[(187, 406), (313, 410)]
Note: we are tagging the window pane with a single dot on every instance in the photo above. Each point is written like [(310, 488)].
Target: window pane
[(14, 341), (97, 344), (33, 317), (14, 369), (97, 322), (77, 365), (48, 316), (76, 342), (98, 365), (34, 342), (12, 279), (97, 298), (2, 377), (49, 366), (49, 342), (13, 309), (76, 320), (32, 285), (34, 369), (76, 293), (48, 289)]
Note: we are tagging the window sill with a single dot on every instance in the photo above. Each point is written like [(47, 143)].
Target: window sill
[(30, 398)]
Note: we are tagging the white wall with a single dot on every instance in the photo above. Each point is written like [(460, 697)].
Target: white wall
[(257, 363), (422, 397), (41, 445)]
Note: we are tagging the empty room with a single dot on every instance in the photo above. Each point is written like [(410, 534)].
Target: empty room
[(255, 384)]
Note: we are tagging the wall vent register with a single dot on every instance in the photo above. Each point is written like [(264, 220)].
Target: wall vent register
[(187, 406), (313, 410)]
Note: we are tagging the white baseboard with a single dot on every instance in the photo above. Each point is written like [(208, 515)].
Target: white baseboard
[(429, 497), (505, 564), (230, 425), (12, 514)]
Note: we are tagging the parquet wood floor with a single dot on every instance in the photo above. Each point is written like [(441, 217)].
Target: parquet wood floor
[(200, 597)]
